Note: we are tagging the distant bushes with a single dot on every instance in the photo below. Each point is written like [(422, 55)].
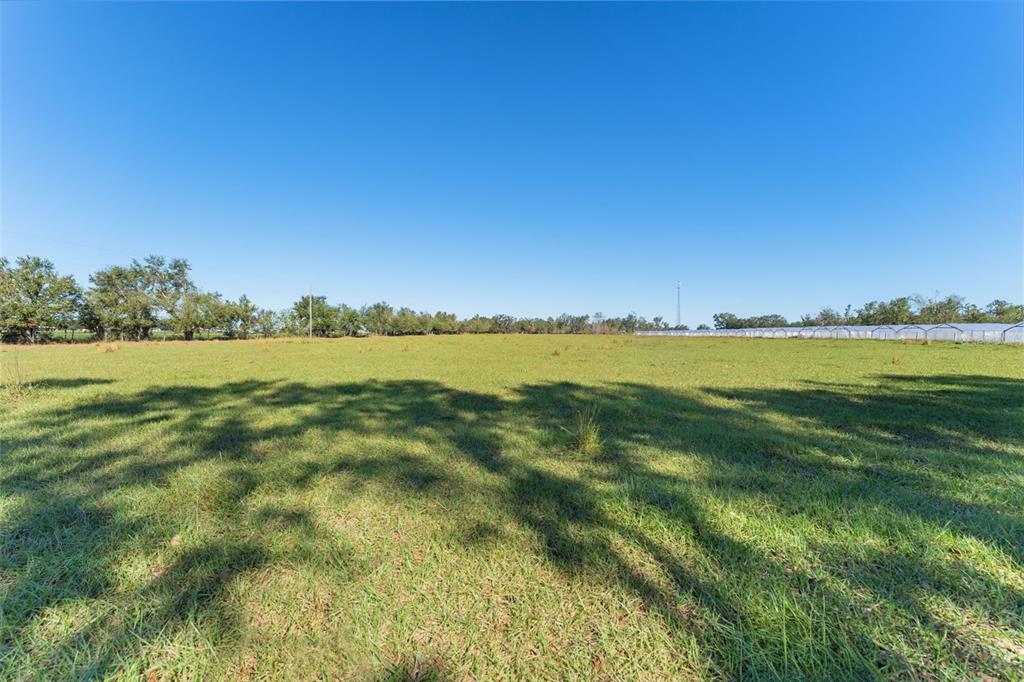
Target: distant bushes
[(156, 298), (385, 320), (899, 311)]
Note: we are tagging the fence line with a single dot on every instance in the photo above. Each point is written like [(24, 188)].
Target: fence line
[(956, 332)]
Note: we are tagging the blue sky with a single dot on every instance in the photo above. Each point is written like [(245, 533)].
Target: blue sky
[(529, 159)]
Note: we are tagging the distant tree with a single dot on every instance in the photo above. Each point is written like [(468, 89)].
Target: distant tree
[(972, 313), (378, 318), (546, 326), (528, 325), (1007, 313), (724, 321), (894, 312), (87, 318), (349, 321), (938, 310), (629, 324), (166, 281), (827, 317), (772, 320), (730, 321), (243, 316), (503, 324), (324, 316), (129, 300), (703, 327), (897, 311), (477, 325), (288, 323), (266, 324), (196, 311), (406, 322), (33, 295), (573, 324), (444, 323)]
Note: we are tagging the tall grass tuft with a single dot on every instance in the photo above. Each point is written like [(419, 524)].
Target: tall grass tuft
[(585, 432), (14, 385)]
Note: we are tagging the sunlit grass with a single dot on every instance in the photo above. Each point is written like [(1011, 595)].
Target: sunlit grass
[(408, 508)]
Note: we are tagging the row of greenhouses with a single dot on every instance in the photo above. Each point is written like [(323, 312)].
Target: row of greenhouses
[(954, 332)]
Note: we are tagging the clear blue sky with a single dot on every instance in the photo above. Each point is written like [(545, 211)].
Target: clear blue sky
[(529, 159)]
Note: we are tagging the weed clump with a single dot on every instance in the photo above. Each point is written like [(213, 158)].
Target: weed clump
[(14, 385), (585, 432)]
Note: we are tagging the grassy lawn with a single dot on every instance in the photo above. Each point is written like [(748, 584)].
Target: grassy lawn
[(412, 508)]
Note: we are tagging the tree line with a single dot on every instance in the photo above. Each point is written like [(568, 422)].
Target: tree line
[(903, 310), (133, 301)]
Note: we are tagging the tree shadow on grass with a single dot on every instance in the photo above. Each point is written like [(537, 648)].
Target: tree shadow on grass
[(68, 504), (75, 382), (964, 414), (787, 470), (896, 448), (907, 444)]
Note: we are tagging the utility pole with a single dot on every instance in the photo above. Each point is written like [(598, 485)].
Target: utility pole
[(311, 312), (679, 303)]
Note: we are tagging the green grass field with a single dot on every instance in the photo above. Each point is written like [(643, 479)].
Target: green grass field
[(414, 508)]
